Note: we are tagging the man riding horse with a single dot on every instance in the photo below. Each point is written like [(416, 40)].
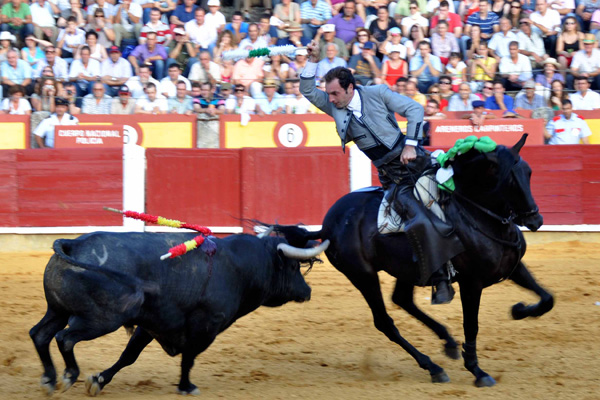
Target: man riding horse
[(366, 116)]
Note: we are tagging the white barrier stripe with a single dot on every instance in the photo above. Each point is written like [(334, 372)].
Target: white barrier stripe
[(57, 230)]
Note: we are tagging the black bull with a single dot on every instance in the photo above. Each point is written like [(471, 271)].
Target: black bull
[(492, 196), (102, 281)]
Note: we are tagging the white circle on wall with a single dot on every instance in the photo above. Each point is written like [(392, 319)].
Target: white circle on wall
[(290, 135), (130, 135)]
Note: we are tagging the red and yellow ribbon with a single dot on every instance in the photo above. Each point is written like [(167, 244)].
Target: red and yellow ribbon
[(173, 223), (184, 247)]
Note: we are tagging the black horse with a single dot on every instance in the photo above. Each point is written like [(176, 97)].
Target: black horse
[(492, 197)]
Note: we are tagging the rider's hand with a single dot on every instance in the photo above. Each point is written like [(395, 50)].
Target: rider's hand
[(313, 51), (408, 154)]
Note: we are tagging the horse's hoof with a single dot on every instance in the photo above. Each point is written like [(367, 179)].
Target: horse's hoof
[(47, 386), (486, 381), (440, 377), (64, 384), (193, 391), (93, 385), (452, 352), (518, 311)]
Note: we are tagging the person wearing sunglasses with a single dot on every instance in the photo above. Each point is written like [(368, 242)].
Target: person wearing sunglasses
[(240, 103), (569, 42)]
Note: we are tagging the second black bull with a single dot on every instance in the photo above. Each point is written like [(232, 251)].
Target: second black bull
[(102, 281)]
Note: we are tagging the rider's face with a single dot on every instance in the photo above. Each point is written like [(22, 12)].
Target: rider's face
[(337, 95)]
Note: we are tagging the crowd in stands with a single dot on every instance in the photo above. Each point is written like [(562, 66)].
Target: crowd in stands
[(160, 57)]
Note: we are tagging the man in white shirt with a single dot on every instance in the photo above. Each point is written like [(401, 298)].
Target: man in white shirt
[(44, 133), (168, 84), (152, 103), (240, 103), (85, 71), (58, 65), (584, 99), (43, 20), (205, 70), (201, 34), (500, 40), (138, 84), (531, 44), (115, 71), (253, 40), (215, 18), (586, 62), (515, 69), (296, 103), (547, 22), (567, 128)]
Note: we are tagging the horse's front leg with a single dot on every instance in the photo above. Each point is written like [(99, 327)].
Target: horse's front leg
[(470, 296), (522, 277)]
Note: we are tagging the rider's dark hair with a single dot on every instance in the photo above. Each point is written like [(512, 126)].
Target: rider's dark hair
[(343, 75)]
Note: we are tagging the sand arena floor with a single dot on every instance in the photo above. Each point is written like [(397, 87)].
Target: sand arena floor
[(328, 348)]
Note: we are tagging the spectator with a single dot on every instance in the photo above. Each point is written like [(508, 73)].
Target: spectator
[(584, 98), (249, 72), (276, 70), (253, 40), (488, 22), (182, 51), (412, 44), (14, 72), (270, 102), (102, 26), (500, 100), (115, 71), (550, 74), (313, 14), (414, 18), (123, 104), (567, 128), (168, 85), (365, 67), (207, 102), (59, 66), (516, 13), (287, 12), (75, 102), (432, 111), (181, 102), (347, 23), (151, 54), (482, 68), (152, 103), (499, 44), (586, 63), (380, 27), (531, 44), (515, 69), (138, 84), (215, 18), (501, 8), (226, 90), (297, 66), (127, 21), (443, 43), (434, 6), (73, 8), (207, 70), (400, 86), (479, 115), (455, 25), (97, 102), (225, 42), (569, 42), (240, 103), (183, 13), (425, 66), (69, 39), (362, 36), (294, 38), (330, 61), (473, 42), (563, 7), (412, 91), (97, 52), (585, 11), (108, 10), (16, 18), (557, 95), (457, 70), (393, 39), (402, 9), (326, 35), (463, 100), (155, 25), (547, 22), (529, 100), (7, 41), (15, 104), (237, 27), (44, 133), (266, 31), (446, 92), (395, 67), (85, 72), (200, 33), (434, 93), (32, 53), (487, 91), (42, 16), (296, 103), (46, 90)]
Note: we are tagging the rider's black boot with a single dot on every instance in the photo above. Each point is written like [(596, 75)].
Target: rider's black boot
[(442, 291)]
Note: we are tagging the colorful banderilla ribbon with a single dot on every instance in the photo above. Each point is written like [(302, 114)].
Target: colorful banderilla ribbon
[(180, 249)]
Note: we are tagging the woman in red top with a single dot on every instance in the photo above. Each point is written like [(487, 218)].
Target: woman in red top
[(394, 67)]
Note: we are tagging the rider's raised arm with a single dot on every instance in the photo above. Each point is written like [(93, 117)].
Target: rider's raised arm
[(308, 88), (409, 109)]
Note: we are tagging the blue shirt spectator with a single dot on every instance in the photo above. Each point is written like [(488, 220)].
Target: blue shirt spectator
[(485, 19), (313, 11), (181, 14), (326, 64), (18, 73), (492, 104)]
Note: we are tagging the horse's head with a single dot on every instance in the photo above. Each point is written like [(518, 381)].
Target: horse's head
[(499, 181)]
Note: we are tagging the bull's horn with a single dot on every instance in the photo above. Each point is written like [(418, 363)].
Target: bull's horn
[(302, 254), (265, 233)]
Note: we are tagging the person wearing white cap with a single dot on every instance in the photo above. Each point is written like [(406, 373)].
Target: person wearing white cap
[(325, 36), (394, 67), (127, 21), (214, 17)]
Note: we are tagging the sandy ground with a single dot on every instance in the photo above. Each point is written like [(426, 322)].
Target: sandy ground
[(328, 348)]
